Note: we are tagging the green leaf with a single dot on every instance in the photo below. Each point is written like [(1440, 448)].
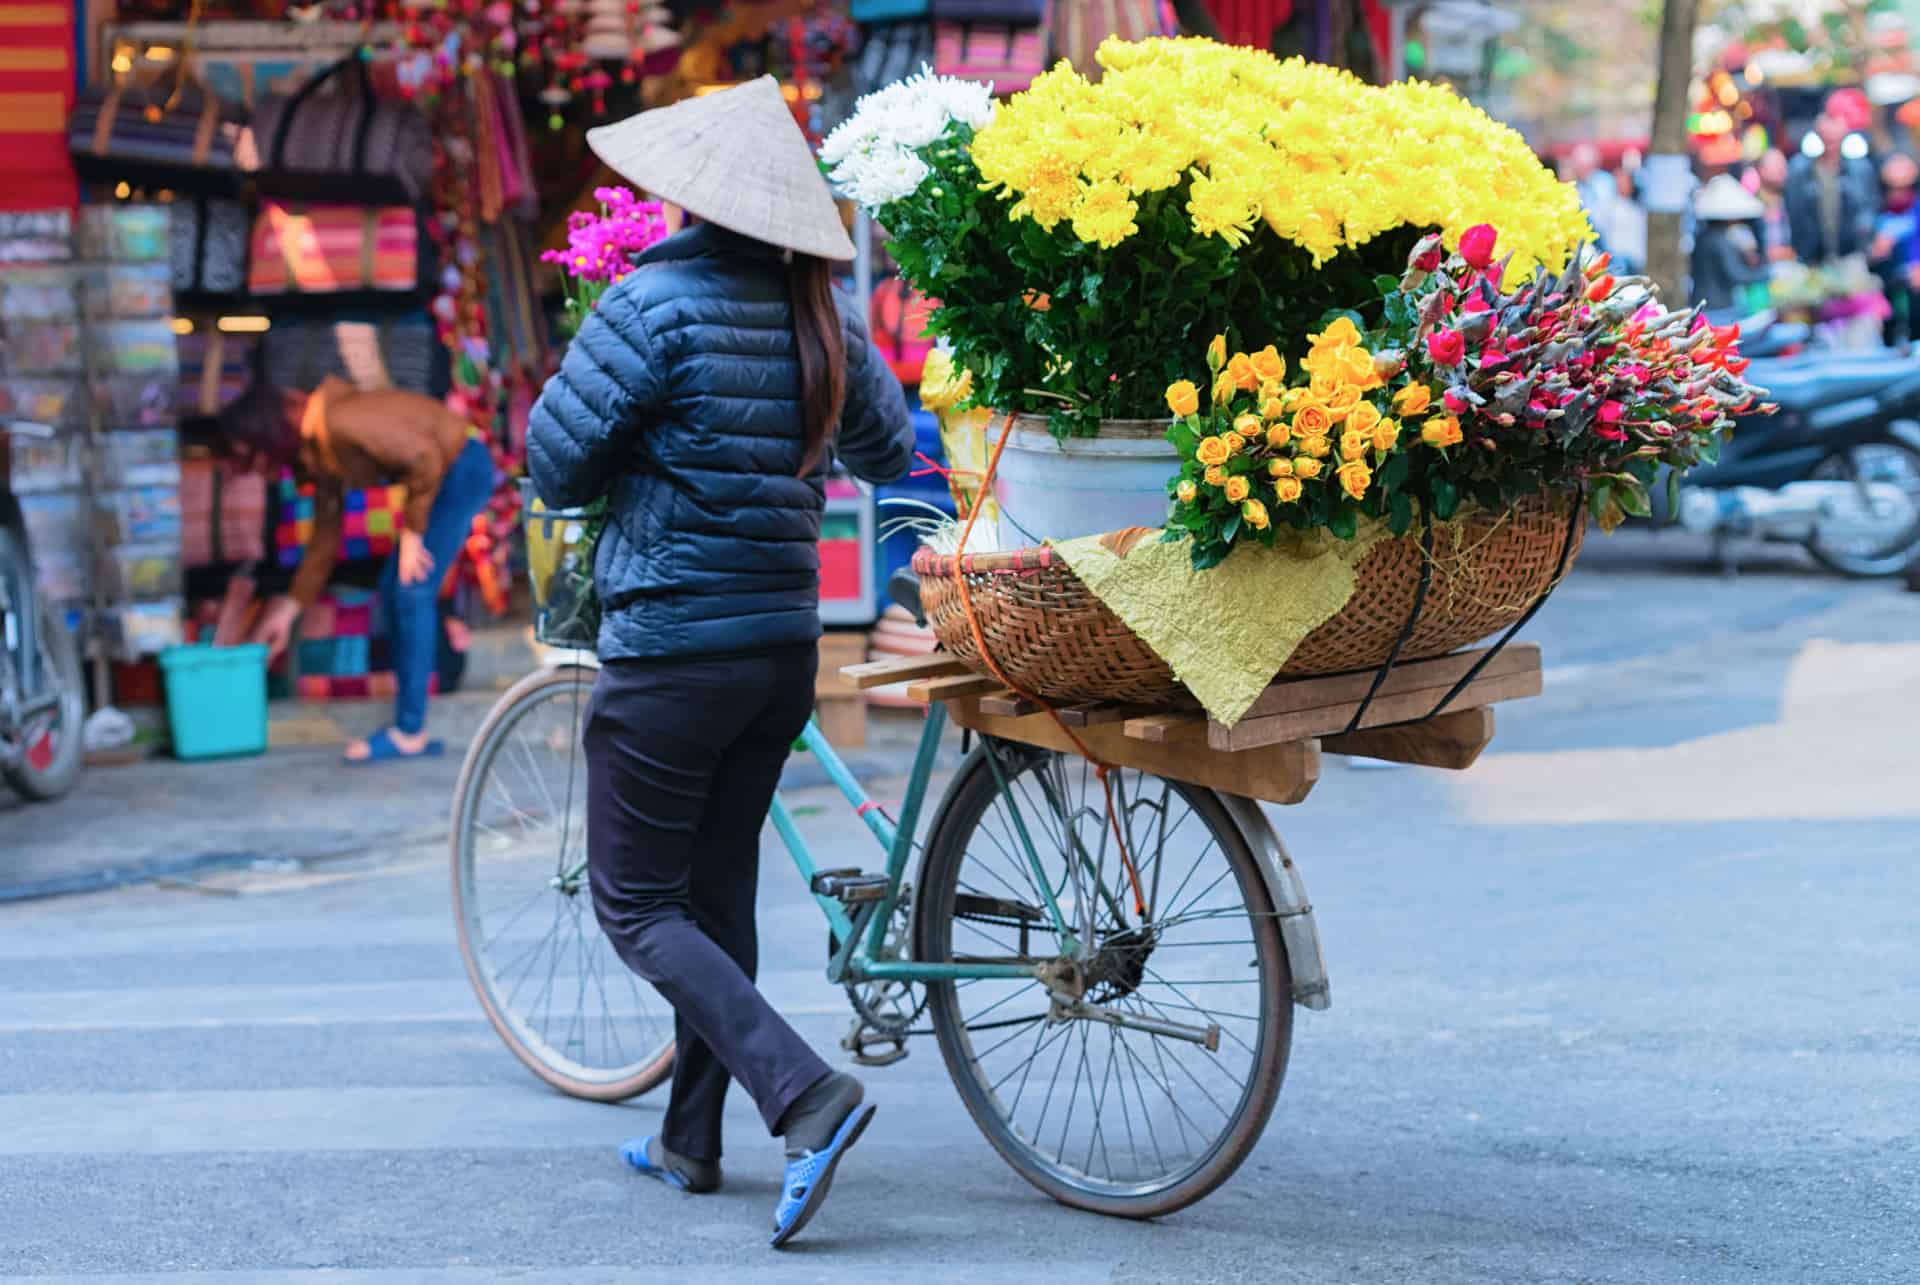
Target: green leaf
[(1184, 439), (1231, 527), (1446, 500), (1387, 286), (1343, 522), (1394, 472), (1399, 512), (1673, 495), (1631, 495)]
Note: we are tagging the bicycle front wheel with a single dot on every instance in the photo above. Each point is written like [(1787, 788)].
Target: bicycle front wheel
[(550, 982), (1137, 1078)]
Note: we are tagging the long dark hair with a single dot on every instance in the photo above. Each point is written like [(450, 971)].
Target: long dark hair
[(823, 353)]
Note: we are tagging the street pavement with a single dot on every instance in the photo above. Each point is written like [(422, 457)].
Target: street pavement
[(1634, 1000)]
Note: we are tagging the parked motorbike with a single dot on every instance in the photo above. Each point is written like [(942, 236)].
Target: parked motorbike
[(42, 699), (1837, 469)]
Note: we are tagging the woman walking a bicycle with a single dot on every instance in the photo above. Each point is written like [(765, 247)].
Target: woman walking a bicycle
[(703, 400)]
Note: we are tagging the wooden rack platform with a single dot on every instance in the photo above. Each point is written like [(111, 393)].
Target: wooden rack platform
[(1273, 753)]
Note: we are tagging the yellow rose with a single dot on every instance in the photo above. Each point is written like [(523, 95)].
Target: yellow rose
[(1441, 430), (1279, 468), (1217, 353), (1238, 488), (1216, 475), (1255, 514), (1269, 390), (1305, 466), (1214, 450), (1312, 420), (1294, 398), (1223, 389), (1354, 445), (1273, 407), (1269, 364), (1412, 400), (1354, 476), (1318, 447), (1186, 492), (1386, 434), (1245, 377), (1341, 334), (1183, 398), (1363, 417), (1288, 489), (1342, 402), (1358, 367), (1325, 382), (1279, 435), (1249, 426)]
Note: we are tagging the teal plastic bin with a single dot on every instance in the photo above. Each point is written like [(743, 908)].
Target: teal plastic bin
[(216, 700)]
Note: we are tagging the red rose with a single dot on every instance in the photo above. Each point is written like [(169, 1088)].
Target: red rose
[(1455, 403), (1600, 288), (1475, 303), (1446, 347), (1476, 244), (1430, 260), (1606, 428)]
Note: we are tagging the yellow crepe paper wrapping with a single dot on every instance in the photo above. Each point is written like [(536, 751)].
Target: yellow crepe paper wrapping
[(1228, 631)]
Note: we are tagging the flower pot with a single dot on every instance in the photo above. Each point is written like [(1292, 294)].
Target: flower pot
[(1055, 490)]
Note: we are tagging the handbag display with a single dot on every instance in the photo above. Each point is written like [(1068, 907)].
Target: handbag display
[(183, 138), (1011, 13), (343, 145), (223, 515), (1080, 26), (209, 236), (893, 51), (214, 368), (334, 250), (388, 354), (1008, 58), (887, 10)]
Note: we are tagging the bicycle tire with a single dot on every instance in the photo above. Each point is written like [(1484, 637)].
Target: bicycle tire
[(530, 1046), (961, 814), (60, 653)]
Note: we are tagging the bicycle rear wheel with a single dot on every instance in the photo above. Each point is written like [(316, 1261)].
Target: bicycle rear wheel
[(550, 982), (1148, 1092)]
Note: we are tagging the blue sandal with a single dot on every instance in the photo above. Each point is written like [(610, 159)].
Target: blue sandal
[(381, 749), (639, 1154), (810, 1176)]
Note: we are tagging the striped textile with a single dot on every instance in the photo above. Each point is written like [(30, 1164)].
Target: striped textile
[(1006, 57), (328, 249), (36, 93)]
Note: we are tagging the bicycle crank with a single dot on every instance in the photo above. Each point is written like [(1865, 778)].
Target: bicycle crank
[(871, 1046)]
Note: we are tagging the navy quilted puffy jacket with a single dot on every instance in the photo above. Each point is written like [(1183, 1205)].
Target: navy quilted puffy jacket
[(679, 400)]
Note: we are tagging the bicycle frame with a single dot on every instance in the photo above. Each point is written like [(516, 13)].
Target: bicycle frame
[(857, 959)]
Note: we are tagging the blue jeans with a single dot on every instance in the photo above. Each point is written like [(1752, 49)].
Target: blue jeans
[(413, 619)]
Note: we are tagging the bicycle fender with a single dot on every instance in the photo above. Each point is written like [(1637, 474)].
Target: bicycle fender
[(1298, 932)]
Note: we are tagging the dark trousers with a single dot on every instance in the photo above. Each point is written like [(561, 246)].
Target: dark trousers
[(682, 761)]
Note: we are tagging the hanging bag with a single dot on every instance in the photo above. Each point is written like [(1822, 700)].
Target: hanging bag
[(346, 145), (1081, 26), (1010, 13), (334, 250), (887, 10), (175, 134), (1008, 58), (209, 249)]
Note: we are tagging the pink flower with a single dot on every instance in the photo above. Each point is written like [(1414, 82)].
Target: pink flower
[(1446, 347), (1455, 403), (1476, 244), (1475, 303), (1607, 424), (1430, 260)]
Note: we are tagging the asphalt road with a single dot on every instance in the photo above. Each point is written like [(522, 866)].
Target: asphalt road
[(1633, 1000)]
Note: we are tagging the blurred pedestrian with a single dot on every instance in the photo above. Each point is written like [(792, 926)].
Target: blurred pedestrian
[(1895, 243), (1725, 263), (1597, 189), (1831, 204), (1626, 232), (1776, 239)]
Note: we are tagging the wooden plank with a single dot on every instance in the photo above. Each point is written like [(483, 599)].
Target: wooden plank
[(1098, 713), (1167, 728), (902, 669), (1005, 704), (1275, 773), (1254, 732), (1293, 695), (959, 685), (1451, 741)]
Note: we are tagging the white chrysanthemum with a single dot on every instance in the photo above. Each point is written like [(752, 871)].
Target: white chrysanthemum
[(919, 122), (881, 176)]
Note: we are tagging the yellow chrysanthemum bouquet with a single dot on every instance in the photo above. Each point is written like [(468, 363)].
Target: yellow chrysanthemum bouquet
[(1085, 237)]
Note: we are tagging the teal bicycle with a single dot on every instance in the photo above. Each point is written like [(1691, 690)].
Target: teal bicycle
[(1112, 992)]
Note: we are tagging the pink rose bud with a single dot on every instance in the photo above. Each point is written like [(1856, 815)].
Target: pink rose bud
[(1446, 347), (1476, 244)]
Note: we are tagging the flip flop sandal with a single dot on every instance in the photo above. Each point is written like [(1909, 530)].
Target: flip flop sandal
[(638, 1153), (381, 749), (809, 1177)]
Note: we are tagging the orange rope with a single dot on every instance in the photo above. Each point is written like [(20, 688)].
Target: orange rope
[(1101, 769)]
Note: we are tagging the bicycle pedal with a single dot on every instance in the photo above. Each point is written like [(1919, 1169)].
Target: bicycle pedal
[(872, 1048), (849, 887)]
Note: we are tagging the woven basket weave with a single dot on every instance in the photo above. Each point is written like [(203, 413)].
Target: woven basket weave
[(1054, 639)]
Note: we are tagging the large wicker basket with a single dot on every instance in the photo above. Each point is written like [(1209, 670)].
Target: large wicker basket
[(1054, 639)]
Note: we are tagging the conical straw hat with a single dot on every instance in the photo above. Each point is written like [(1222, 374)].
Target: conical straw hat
[(736, 158)]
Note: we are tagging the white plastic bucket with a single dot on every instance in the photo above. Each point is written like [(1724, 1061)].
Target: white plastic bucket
[(1055, 490)]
